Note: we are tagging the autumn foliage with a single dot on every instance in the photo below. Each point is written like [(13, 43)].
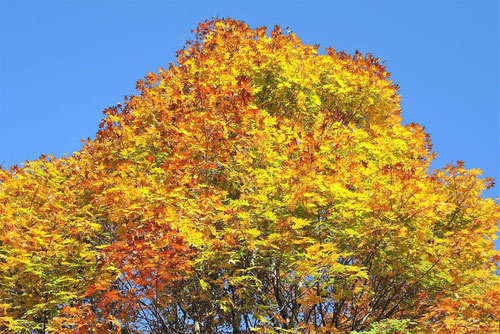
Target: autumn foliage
[(255, 186)]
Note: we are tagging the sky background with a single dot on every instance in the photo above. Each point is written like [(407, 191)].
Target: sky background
[(63, 62)]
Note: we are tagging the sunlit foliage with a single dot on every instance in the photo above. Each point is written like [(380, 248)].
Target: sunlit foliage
[(255, 186)]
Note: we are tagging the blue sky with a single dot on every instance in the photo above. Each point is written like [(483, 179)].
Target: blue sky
[(63, 62)]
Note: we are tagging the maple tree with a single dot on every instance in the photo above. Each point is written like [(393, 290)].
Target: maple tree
[(255, 186)]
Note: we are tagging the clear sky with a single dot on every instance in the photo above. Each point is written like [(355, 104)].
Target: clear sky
[(63, 62)]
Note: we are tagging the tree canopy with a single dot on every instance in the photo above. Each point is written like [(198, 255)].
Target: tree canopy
[(254, 186)]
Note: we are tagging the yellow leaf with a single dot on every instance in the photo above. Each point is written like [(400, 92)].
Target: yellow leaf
[(299, 223)]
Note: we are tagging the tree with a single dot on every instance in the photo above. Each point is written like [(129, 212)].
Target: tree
[(256, 186)]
